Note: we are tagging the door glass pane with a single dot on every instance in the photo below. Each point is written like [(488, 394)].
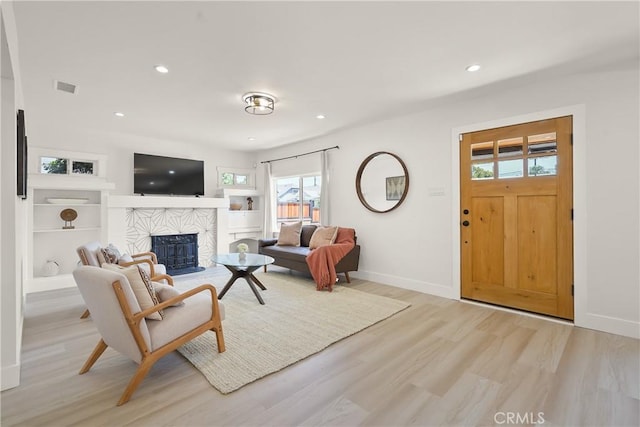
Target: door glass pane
[(541, 166), (543, 143), (311, 186), (510, 168), (510, 147), (53, 165), (482, 171), (482, 150)]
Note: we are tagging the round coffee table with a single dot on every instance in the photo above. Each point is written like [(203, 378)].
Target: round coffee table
[(243, 268)]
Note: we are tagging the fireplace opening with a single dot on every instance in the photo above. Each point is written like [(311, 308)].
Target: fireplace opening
[(178, 252)]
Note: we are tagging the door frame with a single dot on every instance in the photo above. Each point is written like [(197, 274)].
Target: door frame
[(579, 197)]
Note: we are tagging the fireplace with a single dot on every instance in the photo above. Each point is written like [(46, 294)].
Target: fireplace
[(178, 252)]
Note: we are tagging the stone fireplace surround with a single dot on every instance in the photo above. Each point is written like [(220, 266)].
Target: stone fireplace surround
[(134, 219)]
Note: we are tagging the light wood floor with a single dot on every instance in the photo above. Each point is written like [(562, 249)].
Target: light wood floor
[(440, 362)]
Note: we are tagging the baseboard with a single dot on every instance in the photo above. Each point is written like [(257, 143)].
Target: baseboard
[(41, 284), (406, 283), (10, 377), (612, 325)]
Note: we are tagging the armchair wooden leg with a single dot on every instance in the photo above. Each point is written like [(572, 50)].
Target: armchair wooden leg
[(85, 314), (219, 338), (144, 367), (265, 268), (97, 352), (346, 275)]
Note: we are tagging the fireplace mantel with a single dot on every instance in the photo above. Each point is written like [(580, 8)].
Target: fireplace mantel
[(163, 205), (160, 202)]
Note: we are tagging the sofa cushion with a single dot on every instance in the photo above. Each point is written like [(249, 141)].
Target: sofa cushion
[(293, 253), (289, 234), (323, 236), (306, 234)]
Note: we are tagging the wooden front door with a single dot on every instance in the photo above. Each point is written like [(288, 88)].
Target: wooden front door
[(516, 216)]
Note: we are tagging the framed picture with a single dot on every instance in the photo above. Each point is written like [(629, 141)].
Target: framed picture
[(395, 187)]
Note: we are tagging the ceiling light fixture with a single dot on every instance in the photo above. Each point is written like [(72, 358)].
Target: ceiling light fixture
[(161, 69), (320, 116), (472, 68), (259, 104), (118, 114), (251, 138)]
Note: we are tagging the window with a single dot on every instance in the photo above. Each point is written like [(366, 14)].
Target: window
[(506, 158), (62, 166), (235, 178), (298, 199)]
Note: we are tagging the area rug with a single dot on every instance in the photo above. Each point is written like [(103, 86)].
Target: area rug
[(296, 322)]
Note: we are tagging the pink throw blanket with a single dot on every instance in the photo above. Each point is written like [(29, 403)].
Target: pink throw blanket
[(322, 261)]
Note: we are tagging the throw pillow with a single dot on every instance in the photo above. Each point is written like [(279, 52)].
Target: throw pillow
[(290, 234), (112, 248), (141, 286), (323, 236), (165, 292), (107, 256)]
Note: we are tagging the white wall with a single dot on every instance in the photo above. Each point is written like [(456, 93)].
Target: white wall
[(413, 246), (119, 149), (12, 209)]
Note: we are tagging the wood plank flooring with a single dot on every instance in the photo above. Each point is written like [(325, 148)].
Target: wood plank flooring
[(438, 363)]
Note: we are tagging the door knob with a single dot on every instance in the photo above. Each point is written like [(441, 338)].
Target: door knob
[(465, 223)]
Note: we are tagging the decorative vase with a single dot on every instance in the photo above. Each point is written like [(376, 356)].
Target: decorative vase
[(50, 268), (242, 255)]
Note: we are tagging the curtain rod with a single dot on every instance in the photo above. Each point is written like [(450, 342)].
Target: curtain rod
[(299, 155)]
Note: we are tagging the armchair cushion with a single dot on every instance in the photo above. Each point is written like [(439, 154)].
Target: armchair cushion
[(125, 258), (195, 311), (141, 286)]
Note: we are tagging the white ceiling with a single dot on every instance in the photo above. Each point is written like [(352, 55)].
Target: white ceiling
[(354, 62)]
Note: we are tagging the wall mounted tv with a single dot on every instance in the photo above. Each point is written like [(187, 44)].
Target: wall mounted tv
[(167, 175), (21, 158)]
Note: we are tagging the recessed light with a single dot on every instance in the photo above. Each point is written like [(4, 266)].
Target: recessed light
[(161, 69), (251, 138), (172, 172), (320, 116), (118, 114), (472, 68)]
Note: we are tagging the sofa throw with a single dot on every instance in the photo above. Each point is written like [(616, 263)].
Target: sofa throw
[(322, 261)]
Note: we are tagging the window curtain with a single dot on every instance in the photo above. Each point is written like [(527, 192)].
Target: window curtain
[(269, 202), (325, 189)]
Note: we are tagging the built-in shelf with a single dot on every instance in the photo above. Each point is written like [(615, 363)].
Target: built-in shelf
[(66, 230), (66, 205)]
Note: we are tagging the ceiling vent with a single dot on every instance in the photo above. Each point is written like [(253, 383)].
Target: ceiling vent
[(65, 87)]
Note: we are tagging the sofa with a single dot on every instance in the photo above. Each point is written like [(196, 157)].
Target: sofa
[(294, 257)]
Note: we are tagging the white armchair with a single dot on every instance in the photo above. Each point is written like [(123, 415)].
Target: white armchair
[(123, 327), (90, 254)]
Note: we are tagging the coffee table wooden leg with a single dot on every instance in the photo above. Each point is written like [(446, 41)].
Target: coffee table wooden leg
[(253, 288), (257, 282), (236, 274)]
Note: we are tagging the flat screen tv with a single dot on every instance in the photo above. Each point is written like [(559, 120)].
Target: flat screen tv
[(167, 175), (21, 157)]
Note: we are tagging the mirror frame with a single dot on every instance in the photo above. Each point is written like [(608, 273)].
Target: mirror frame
[(359, 178)]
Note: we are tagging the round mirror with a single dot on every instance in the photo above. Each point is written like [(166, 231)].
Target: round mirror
[(382, 182)]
